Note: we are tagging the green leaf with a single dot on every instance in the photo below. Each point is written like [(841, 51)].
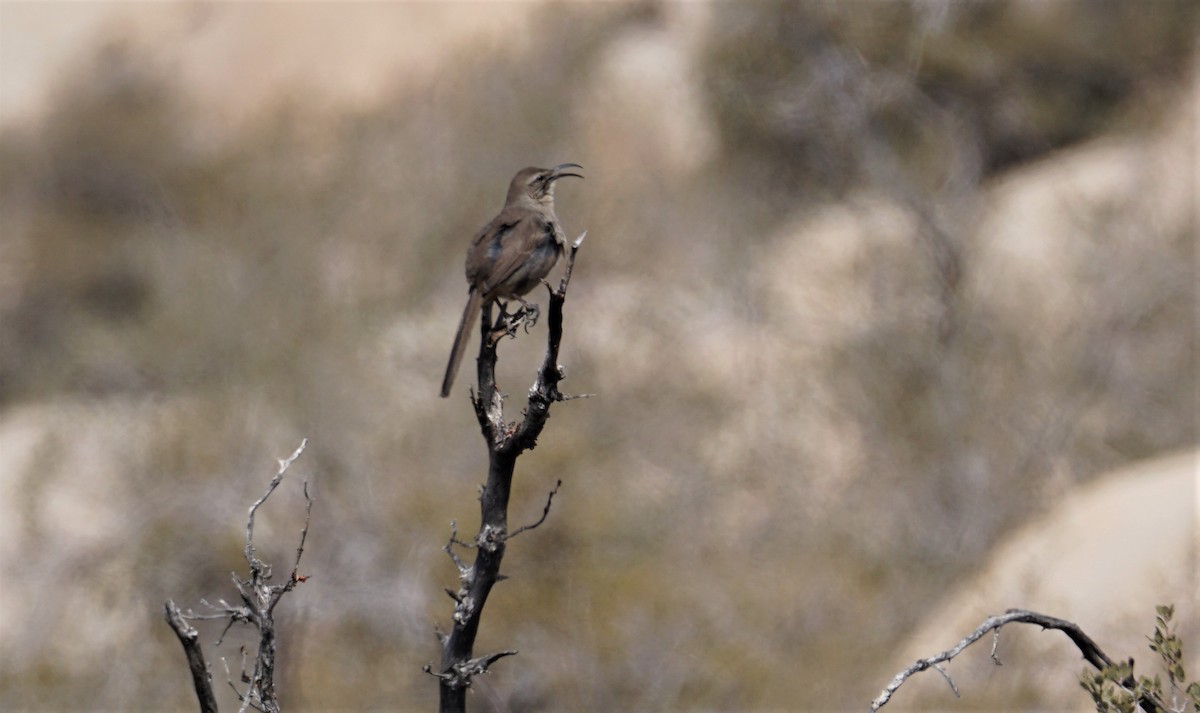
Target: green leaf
[(1193, 692)]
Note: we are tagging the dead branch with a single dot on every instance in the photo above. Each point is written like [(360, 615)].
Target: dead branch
[(259, 599), (545, 513), (190, 638), (1090, 650)]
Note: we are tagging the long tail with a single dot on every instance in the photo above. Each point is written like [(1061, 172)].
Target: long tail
[(470, 314)]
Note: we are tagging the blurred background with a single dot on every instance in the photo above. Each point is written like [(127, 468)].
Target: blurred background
[(889, 310)]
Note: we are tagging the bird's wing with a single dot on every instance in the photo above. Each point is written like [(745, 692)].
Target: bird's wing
[(485, 242), (505, 244)]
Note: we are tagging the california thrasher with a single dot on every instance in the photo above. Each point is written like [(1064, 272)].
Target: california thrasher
[(510, 255)]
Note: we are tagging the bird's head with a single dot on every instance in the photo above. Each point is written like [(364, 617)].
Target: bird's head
[(536, 185)]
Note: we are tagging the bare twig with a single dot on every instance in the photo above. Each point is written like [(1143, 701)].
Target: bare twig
[(545, 389), (258, 601), (449, 548), (190, 638), (949, 680), (284, 464), (460, 674), (545, 512), (1091, 653), (296, 577)]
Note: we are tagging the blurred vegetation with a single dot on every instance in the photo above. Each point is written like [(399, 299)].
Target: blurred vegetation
[(985, 84), (753, 510)]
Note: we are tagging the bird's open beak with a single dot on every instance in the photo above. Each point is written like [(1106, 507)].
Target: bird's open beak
[(558, 171)]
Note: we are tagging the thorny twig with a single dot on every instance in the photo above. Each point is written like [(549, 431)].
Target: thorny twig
[(545, 512)]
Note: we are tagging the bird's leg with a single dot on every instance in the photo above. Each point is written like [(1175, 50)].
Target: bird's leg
[(504, 324), (507, 322), (528, 316)]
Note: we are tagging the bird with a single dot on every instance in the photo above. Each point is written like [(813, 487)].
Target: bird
[(515, 251)]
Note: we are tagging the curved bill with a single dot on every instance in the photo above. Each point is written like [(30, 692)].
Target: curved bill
[(558, 171)]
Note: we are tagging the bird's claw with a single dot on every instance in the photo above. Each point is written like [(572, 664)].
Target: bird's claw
[(529, 315), (507, 324)]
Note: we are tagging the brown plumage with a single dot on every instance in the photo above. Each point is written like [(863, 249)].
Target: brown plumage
[(509, 256)]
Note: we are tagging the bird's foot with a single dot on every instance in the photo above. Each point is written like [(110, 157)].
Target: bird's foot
[(528, 316), (508, 322)]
